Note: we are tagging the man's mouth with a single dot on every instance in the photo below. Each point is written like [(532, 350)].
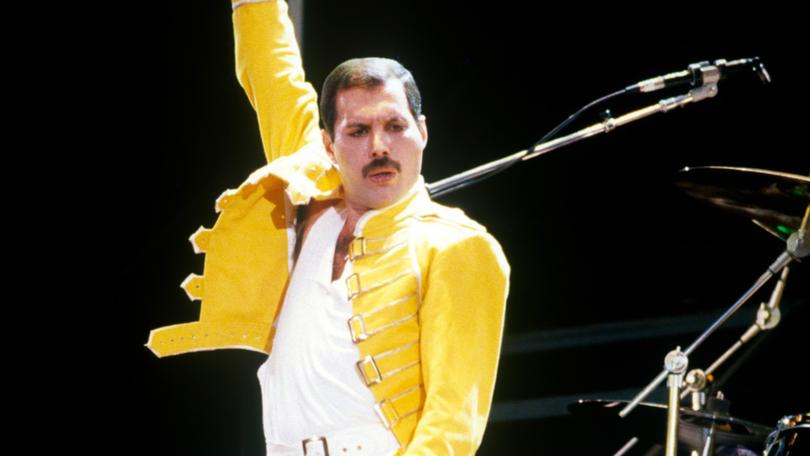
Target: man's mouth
[(381, 171), (381, 175)]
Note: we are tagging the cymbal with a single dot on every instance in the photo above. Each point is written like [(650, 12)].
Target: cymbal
[(774, 198), (652, 417)]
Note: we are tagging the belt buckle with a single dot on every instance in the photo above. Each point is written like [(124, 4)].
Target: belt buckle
[(315, 439)]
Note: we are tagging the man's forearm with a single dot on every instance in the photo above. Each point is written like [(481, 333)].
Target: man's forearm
[(269, 68)]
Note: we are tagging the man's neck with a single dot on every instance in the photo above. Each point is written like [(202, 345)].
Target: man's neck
[(353, 214), (345, 238)]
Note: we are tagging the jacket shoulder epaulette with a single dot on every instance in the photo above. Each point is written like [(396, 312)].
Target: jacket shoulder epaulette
[(452, 217)]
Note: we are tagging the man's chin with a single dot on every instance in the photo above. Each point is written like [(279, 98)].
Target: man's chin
[(378, 198)]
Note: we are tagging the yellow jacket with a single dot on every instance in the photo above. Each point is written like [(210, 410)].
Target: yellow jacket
[(428, 288)]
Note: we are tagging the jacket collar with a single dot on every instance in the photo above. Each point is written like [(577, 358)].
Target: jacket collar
[(416, 198)]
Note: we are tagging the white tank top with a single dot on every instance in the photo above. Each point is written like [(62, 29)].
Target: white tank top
[(310, 384)]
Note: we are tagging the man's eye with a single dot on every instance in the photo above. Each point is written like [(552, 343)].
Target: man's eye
[(397, 127), (357, 133)]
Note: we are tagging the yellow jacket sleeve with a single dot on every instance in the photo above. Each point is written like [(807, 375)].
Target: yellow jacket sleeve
[(461, 320), (269, 68)]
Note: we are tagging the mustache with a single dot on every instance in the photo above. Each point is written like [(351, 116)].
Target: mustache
[(382, 162)]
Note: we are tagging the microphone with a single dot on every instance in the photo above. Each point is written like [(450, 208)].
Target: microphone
[(703, 73)]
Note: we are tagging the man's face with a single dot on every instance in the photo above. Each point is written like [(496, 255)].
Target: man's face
[(377, 145)]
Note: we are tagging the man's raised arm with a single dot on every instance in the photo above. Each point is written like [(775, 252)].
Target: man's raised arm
[(268, 67)]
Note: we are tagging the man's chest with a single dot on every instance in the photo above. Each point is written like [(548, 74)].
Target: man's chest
[(306, 219)]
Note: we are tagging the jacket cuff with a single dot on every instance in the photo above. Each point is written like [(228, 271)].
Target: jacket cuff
[(237, 3)]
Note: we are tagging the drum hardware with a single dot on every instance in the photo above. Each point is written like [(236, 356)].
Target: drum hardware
[(773, 199), (695, 428), (768, 317), (790, 438), (779, 232), (791, 191)]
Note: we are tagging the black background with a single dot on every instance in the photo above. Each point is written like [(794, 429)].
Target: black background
[(595, 232)]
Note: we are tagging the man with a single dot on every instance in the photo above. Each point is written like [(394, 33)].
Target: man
[(382, 311)]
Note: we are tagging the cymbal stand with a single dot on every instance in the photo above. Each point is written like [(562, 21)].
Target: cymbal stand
[(676, 361), (768, 317)]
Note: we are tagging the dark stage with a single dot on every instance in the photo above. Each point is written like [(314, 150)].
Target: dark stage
[(612, 264)]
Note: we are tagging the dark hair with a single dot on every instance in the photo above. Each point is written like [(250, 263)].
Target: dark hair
[(367, 73)]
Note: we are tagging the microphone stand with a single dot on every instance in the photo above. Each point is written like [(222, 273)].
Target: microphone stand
[(473, 175), (703, 75), (798, 246)]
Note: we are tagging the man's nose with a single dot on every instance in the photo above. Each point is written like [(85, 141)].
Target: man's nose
[(379, 145)]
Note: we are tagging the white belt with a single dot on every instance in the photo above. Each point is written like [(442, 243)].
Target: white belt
[(368, 440)]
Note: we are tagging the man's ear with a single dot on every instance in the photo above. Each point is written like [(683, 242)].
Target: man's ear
[(327, 144)]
